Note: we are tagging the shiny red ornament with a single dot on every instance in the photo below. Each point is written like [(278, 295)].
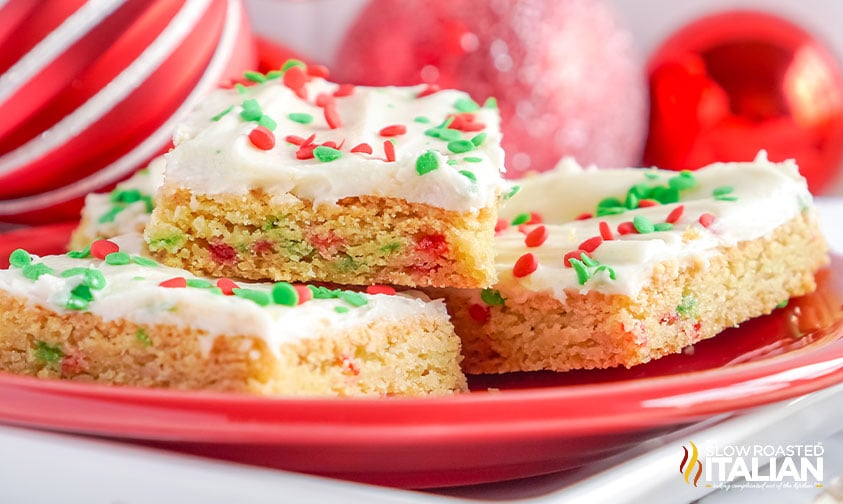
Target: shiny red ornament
[(726, 86), (563, 72)]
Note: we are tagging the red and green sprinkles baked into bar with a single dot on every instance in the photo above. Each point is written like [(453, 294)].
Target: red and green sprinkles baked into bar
[(294, 178), (604, 268), (109, 314)]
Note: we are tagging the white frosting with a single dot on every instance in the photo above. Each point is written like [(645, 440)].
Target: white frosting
[(768, 195), (134, 216), (216, 157), (132, 292)]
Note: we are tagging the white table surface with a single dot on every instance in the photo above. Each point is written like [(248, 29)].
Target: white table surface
[(40, 467)]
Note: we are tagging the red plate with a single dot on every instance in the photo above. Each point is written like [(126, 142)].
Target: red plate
[(529, 424)]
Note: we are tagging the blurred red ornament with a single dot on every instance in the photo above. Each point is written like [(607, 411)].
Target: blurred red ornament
[(726, 86), (563, 71)]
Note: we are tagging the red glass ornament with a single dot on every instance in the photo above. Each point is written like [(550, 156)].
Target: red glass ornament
[(728, 85), (563, 71)]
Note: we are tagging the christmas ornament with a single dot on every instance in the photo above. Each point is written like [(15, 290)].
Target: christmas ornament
[(728, 85), (90, 91), (563, 72)]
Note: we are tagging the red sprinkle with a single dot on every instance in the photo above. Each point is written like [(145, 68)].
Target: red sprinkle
[(344, 90), (393, 130), (706, 220), (583, 216), (574, 254), (309, 140), (324, 100), (675, 214), (295, 78), (465, 121), (332, 117), (479, 313), (525, 265), (102, 248), (535, 218), (537, 236), (627, 227), (305, 294), (380, 289), (429, 90), (363, 148), (262, 138), (644, 203), (305, 151), (606, 231), (501, 225), (174, 283), (227, 286), (591, 244), (330, 143), (294, 139), (318, 71), (389, 151)]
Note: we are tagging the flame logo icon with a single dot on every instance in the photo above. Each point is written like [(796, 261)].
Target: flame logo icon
[(687, 466)]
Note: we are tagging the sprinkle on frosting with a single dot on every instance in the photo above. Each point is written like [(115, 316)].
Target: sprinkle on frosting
[(389, 151), (20, 258), (427, 162), (525, 265), (393, 130)]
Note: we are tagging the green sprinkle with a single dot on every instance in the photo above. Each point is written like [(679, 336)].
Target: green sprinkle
[(300, 117), (143, 261), (125, 195), (73, 272), (722, 191), (75, 303), (20, 258), (610, 211), (391, 247), (274, 74), (687, 306), (94, 279), (290, 63), (254, 76), (452, 162), (609, 269), (520, 219), (83, 292), (256, 296), (491, 103), (142, 337), (34, 271), (469, 175), (354, 298), (643, 225), (427, 162), (782, 304), (466, 105), (320, 292), (267, 122), (215, 291), (478, 139), (285, 294), (241, 89), (421, 119), (492, 297), (682, 182), (48, 353), (651, 176), (80, 254), (460, 146), (342, 309), (609, 202), (588, 261), (663, 226), (222, 114), (326, 154), (512, 192), (631, 200), (726, 198), (118, 259), (665, 195), (110, 215), (472, 159), (251, 110), (581, 270), (199, 283)]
